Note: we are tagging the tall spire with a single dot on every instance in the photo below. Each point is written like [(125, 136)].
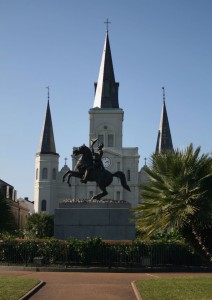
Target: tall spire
[(106, 89), (164, 140), (47, 144)]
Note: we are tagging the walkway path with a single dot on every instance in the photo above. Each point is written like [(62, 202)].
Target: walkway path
[(88, 286)]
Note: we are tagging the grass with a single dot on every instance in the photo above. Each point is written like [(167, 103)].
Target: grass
[(176, 288), (13, 287)]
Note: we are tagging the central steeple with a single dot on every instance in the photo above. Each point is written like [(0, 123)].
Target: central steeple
[(164, 140), (106, 89)]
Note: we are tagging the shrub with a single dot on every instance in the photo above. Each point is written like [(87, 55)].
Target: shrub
[(94, 251)]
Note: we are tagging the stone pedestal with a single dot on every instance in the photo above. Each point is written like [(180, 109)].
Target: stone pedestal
[(110, 220)]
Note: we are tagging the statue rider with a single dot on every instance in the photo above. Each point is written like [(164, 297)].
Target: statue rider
[(97, 157), (97, 161)]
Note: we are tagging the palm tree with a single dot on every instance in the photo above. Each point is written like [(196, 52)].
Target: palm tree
[(40, 225), (178, 195)]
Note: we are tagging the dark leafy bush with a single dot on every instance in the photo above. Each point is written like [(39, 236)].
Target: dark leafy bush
[(94, 251)]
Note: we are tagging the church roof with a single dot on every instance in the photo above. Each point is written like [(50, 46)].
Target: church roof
[(106, 89), (164, 140), (47, 144)]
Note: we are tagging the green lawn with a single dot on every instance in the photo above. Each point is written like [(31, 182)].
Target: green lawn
[(176, 288), (13, 287)]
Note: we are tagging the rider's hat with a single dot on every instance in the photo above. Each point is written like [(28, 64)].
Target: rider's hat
[(100, 146)]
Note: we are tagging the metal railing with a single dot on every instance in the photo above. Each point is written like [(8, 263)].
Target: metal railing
[(57, 253)]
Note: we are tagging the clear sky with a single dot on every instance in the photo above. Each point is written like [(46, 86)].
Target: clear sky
[(59, 43)]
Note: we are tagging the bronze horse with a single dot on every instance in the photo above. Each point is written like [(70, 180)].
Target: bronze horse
[(102, 177)]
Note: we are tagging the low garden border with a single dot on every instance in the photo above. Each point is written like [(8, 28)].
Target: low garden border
[(95, 252)]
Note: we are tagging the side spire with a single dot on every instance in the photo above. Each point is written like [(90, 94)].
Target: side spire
[(106, 89), (164, 140), (47, 143)]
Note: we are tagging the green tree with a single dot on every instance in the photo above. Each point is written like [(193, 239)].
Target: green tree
[(7, 222), (40, 225), (178, 195)]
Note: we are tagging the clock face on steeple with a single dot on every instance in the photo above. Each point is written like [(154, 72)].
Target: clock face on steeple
[(106, 162)]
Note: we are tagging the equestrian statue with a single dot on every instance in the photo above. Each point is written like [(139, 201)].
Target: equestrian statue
[(89, 167)]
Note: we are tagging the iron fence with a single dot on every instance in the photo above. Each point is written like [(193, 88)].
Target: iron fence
[(97, 253)]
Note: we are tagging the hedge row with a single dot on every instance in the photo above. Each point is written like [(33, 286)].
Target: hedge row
[(94, 251)]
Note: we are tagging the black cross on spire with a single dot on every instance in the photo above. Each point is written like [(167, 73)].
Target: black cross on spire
[(107, 23), (163, 88), (48, 91)]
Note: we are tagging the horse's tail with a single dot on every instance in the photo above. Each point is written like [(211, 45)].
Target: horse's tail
[(122, 177)]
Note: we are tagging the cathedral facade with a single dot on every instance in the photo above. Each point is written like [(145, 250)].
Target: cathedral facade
[(106, 124)]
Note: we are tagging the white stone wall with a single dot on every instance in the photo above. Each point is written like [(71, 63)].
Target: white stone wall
[(46, 188), (106, 121)]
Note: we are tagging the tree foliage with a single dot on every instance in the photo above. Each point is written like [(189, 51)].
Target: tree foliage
[(178, 195), (7, 222), (40, 225)]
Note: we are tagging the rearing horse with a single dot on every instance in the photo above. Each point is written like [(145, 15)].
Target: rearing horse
[(102, 177)]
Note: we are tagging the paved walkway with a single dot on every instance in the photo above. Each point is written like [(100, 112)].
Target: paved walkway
[(89, 286)]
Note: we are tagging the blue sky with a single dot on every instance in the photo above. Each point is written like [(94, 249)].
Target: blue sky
[(59, 43)]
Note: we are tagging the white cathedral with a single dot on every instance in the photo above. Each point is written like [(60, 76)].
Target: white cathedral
[(106, 123)]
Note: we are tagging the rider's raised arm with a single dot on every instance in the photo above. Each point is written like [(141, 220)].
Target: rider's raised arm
[(92, 149), (92, 143)]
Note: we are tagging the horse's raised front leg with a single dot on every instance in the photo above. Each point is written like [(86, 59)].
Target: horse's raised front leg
[(68, 180), (64, 176), (72, 174), (69, 174)]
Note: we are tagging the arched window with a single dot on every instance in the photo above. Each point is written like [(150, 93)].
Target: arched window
[(101, 139), (110, 140), (43, 205), (36, 176), (118, 195), (54, 176), (45, 173)]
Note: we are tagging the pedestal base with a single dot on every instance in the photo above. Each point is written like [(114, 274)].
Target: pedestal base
[(109, 220)]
